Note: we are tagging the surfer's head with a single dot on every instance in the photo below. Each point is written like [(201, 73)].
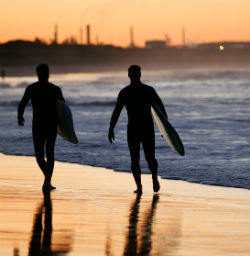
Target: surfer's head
[(134, 73), (42, 71)]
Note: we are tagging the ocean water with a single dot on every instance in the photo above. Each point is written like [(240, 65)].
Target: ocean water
[(208, 108)]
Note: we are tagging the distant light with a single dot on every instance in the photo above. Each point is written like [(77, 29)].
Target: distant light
[(221, 47)]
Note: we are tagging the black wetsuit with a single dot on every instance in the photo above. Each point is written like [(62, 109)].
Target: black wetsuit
[(138, 99), (43, 96)]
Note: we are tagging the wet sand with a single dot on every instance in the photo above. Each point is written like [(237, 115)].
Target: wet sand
[(94, 212)]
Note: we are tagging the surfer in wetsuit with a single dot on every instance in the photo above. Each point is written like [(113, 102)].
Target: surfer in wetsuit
[(43, 96), (137, 98)]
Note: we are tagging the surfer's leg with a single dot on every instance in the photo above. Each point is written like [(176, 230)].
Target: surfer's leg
[(134, 149), (50, 146), (148, 143), (39, 143)]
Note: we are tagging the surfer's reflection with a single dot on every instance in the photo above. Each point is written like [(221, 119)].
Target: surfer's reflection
[(40, 243), (16, 252), (142, 247)]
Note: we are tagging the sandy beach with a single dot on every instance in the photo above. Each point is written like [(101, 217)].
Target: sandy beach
[(94, 212)]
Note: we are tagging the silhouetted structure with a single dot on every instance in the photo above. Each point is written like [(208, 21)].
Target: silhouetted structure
[(81, 35), (167, 40), (132, 44), (55, 41), (183, 37), (156, 44), (43, 96), (227, 45), (70, 57), (88, 34), (137, 98)]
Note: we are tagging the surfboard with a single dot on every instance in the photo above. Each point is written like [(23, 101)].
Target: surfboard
[(167, 130), (65, 122)]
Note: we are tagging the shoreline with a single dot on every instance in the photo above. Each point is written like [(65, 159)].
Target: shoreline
[(129, 172), (93, 211)]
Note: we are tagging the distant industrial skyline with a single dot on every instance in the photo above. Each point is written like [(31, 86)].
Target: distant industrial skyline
[(117, 21), (147, 43)]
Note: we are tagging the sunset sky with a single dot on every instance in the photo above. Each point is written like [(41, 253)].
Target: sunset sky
[(110, 20)]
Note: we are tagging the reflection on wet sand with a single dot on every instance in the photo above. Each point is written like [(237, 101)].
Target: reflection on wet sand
[(99, 216), (146, 242), (146, 234), (150, 227), (40, 242), (108, 244), (142, 247), (141, 239), (16, 252)]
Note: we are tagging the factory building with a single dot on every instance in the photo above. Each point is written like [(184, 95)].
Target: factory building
[(155, 44)]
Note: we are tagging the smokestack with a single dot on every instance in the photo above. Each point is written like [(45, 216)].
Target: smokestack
[(80, 35), (88, 34), (183, 37), (56, 35), (132, 37)]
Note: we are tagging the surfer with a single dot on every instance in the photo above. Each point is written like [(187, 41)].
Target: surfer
[(137, 98), (43, 96)]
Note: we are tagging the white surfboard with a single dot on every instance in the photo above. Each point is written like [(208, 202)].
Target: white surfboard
[(65, 122), (167, 130)]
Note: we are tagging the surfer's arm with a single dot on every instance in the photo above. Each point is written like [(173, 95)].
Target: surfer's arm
[(114, 118), (160, 104), (24, 101)]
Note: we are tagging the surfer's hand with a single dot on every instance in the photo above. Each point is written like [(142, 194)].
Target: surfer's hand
[(21, 121), (111, 136)]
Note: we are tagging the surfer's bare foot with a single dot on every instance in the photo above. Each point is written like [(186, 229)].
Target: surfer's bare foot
[(47, 187), (138, 191), (156, 185)]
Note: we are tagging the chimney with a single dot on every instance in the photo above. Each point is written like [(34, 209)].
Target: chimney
[(56, 35), (183, 37), (132, 37), (88, 34), (80, 35)]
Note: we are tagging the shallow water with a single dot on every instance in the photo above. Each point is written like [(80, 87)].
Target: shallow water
[(208, 108)]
